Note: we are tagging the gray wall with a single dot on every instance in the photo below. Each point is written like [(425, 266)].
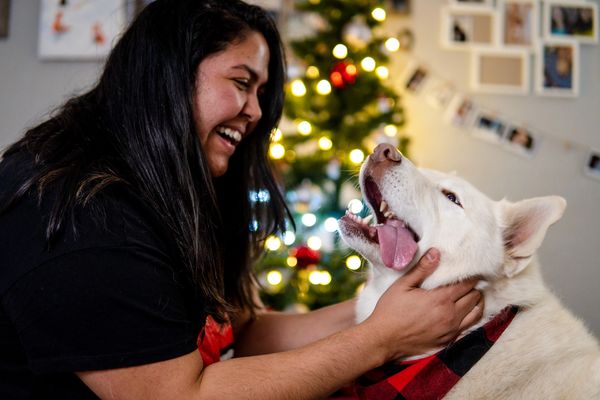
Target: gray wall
[(570, 255)]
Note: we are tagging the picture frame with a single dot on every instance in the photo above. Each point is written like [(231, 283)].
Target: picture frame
[(501, 71), (571, 19), (521, 140), (518, 23), (472, 3), (439, 93), (461, 111), (463, 28), (401, 7), (79, 31), (489, 127), (557, 68), (4, 18), (592, 164), (414, 78)]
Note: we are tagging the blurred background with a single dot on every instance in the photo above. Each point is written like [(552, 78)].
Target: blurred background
[(505, 93)]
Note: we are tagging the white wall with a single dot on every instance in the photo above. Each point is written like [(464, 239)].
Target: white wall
[(571, 253)]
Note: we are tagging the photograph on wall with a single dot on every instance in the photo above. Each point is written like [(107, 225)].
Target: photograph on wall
[(438, 93), (557, 69), (4, 14), (79, 30), (521, 140), (502, 71), (489, 127), (571, 19), (461, 112), (518, 23), (592, 165), (462, 28), (478, 3), (416, 79), (398, 6)]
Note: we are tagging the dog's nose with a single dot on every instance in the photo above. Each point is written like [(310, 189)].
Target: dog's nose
[(386, 151)]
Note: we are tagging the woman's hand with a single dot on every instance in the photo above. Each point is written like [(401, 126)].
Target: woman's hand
[(409, 321)]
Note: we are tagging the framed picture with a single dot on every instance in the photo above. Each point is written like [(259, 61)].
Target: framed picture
[(461, 112), (489, 127), (518, 23), (504, 71), (462, 28), (415, 77), (472, 3), (399, 6), (592, 165), (439, 93), (571, 19), (521, 140), (557, 68), (79, 30), (4, 14)]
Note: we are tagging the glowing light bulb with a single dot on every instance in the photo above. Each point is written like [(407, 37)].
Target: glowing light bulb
[(355, 206), (315, 277), (392, 44), (324, 87), (304, 128), (274, 278), (325, 143), (292, 261), (382, 72), (314, 242), (298, 88), (353, 263), (309, 219), (289, 238), (390, 130), (276, 151), (368, 64), (340, 51), (312, 72), (378, 14), (276, 135), (357, 156), (273, 243), (325, 278), (331, 224)]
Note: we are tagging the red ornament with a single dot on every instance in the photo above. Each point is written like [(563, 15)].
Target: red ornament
[(343, 73), (305, 256)]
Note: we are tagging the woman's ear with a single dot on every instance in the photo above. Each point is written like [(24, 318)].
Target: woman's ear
[(526, 223)]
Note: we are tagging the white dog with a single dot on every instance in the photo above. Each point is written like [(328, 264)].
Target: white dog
[(545, 353)]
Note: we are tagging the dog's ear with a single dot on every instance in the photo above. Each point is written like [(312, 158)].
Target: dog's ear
[(526, 224)]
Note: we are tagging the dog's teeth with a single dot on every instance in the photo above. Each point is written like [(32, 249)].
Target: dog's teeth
[(383, 206), (367, 219), (388, 214)]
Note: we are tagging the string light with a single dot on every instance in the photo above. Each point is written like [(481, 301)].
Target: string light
[(355, 206), (324, 87), (312, 72), (331, 224), (340, 51), (314, 242), (378, 14), (274, 278), (273, 243), (357, 156), (382, 72), (289, 238), (292, 261), (276, 135), (353, 262), (277, 151), (304, 128), (390, 130), (392, 44), (325, 143), (319, 278), (368, 64), (298, 88), (309, 220)]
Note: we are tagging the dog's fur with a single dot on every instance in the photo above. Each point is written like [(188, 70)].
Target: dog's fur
[(546, 353)]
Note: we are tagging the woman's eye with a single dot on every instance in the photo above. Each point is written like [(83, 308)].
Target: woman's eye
[(242, 83), (452, 197)]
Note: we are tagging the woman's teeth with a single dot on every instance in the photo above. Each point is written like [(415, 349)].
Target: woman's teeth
[(234, 135)]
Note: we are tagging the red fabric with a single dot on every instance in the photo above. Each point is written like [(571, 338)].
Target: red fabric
[(214, 341)]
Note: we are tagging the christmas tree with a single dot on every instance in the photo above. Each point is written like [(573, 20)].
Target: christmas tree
[(338, 108)]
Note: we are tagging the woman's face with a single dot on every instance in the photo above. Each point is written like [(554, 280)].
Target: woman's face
[(226, 107)]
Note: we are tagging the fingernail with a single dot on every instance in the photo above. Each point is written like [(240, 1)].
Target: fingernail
[(432, 254)]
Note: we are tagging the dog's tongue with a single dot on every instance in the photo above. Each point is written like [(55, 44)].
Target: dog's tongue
[(396, 244)]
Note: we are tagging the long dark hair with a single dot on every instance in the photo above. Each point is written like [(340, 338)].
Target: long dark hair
[(136, 127)]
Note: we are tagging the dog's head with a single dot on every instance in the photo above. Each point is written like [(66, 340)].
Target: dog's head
[(415, 209)]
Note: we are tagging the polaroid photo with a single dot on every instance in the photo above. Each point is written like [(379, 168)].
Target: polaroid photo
[(69, 31), (521, 140), (398, 6), (463, 28), (571, 19), (472, 3), (489, 127), (557, 68), (461, 112), (501, 71), (518, 23), (592, 164), (438, 93), (415, 78), (4, 17)]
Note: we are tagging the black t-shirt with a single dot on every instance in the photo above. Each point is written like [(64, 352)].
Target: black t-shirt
[(108, 295)]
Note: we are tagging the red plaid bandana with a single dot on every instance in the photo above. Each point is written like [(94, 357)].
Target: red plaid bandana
[(215, 342), (431, 378)]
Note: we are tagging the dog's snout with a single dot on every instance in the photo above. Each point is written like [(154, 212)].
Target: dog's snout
[(385, 151)]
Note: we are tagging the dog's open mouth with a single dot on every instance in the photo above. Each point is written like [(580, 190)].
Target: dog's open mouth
[(397, 241)]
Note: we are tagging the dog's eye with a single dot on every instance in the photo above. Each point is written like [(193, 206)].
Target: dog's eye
[(452, 197)]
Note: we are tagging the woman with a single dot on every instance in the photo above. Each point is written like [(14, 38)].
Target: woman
[(125, 224)]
